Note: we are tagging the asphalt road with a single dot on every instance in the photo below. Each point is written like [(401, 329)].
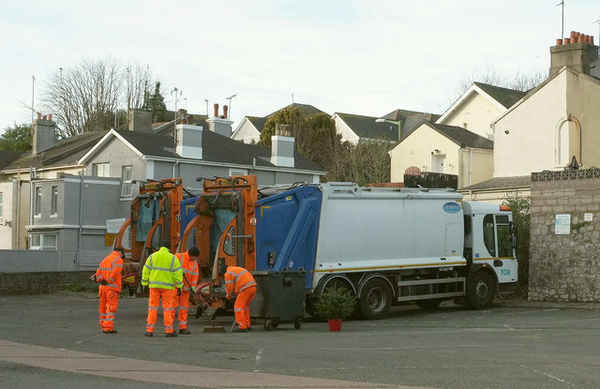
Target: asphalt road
[(502, 347)]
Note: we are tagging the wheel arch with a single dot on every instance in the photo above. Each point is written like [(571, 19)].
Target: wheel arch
[(326, 280), (475, 268), (368, 277)]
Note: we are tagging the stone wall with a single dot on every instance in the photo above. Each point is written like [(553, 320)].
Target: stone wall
[(565, 267), (44, 282)]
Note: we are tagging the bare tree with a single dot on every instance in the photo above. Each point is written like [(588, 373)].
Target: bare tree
[(87, 97)]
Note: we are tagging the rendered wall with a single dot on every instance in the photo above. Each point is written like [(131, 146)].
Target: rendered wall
[(478, 112)]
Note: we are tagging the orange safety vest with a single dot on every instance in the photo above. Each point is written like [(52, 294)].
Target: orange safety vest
[(237, 279), (110, 270), (191, 273)]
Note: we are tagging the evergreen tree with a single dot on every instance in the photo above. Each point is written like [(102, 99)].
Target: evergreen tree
[(16, 138)]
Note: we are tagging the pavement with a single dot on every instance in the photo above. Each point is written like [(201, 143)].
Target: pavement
[(54, 342)]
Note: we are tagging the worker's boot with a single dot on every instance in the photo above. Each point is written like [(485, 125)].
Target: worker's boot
[(149, 334), (184, 331), (110, 331), (171, 335)]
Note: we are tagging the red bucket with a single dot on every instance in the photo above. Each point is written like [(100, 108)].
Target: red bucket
[(335, 325)]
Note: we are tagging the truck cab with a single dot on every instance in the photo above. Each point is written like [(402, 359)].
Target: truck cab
[(490, 241)]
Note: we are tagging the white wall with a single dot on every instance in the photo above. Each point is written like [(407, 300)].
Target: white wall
[(246, 132), (477, 112), (416, 150), (530, 144), (346, 132)]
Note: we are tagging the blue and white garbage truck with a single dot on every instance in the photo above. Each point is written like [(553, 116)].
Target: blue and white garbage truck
[(388, 246)]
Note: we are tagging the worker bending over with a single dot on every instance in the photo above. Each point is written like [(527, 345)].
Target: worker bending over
[(239, 281), (191, 277), (163, 274), (108, 276)]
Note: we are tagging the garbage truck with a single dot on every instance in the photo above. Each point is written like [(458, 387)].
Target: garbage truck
[(386, 246)]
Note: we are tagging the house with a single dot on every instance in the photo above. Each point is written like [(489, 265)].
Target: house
[(250, 127), (479, 106), (393, 127), (441, 148), (551, 124), (460, 141), (141, 153)]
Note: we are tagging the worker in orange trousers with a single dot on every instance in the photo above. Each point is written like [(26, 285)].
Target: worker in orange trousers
[(108, 276), (191, 277), (162, 273), (239, 281)]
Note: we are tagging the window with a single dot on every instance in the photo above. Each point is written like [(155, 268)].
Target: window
[(101, 169), (488, 234), (505, 238), (127, 181), (237, 172), (38, 201), (42, 242), (437, 162), (54, 202), (1, 204)]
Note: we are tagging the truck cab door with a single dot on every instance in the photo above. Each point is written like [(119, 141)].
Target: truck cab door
[(505, 262)]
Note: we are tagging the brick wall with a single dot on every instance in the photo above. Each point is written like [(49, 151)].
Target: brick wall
[(44, 282), (565, 267)]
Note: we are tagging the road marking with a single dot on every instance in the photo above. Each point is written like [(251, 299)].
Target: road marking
[(552, 377), (258, 360), (162, 372)]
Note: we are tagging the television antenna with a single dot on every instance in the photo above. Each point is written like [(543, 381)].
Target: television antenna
[(562, 4)]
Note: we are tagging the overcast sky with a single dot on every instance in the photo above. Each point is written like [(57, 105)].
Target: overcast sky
[(364, 57)]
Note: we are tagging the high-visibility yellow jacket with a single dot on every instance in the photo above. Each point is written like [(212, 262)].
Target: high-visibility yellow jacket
[(162, 270)]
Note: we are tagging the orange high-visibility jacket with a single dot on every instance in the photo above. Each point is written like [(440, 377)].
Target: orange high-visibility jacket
[(110, 270), (237, 279), (191, 273)]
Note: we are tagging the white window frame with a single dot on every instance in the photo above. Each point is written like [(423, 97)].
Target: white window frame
[(37, 201), (1, 204), (126, 183), (53, 201), (43, 237), (237, 172), (101, 169)]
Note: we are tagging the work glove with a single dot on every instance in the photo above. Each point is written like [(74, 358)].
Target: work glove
[(103, 282), (178, 291)]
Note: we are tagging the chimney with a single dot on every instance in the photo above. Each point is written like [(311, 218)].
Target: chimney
[(220, 125), (225, 112), (576, 52), (282, 146), (188, 141), (139, 120), (43, 135)]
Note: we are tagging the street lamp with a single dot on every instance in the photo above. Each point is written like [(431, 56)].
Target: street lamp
[(230, 98)]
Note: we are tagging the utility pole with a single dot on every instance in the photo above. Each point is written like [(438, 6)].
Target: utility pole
[(292, 97), (206, 101), (230, 98), (176, 92), (598, 23), (562, 4)]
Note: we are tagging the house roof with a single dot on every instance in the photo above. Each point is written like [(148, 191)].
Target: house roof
[(506, 97), (7, 156), (368, 127), (501, 183), (410, 119), (65, 152), (215, 148), (257, 122), (460, 136)]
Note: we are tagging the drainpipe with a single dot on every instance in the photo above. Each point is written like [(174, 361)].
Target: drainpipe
[(79, 231), (175, 166), (470, 166), (31, 205)]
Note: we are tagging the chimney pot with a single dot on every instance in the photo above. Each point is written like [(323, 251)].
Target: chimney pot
[(559, 42), (49, 116), (39, 115), (573, 35), (567, 41), (216, 110), (225, 112)]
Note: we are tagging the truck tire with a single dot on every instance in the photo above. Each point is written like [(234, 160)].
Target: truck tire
[(481, 289), (375, 299), (429, 305)]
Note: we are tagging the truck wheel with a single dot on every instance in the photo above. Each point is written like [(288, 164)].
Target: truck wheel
[(375, 299), (481, 289), (429, 305)]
